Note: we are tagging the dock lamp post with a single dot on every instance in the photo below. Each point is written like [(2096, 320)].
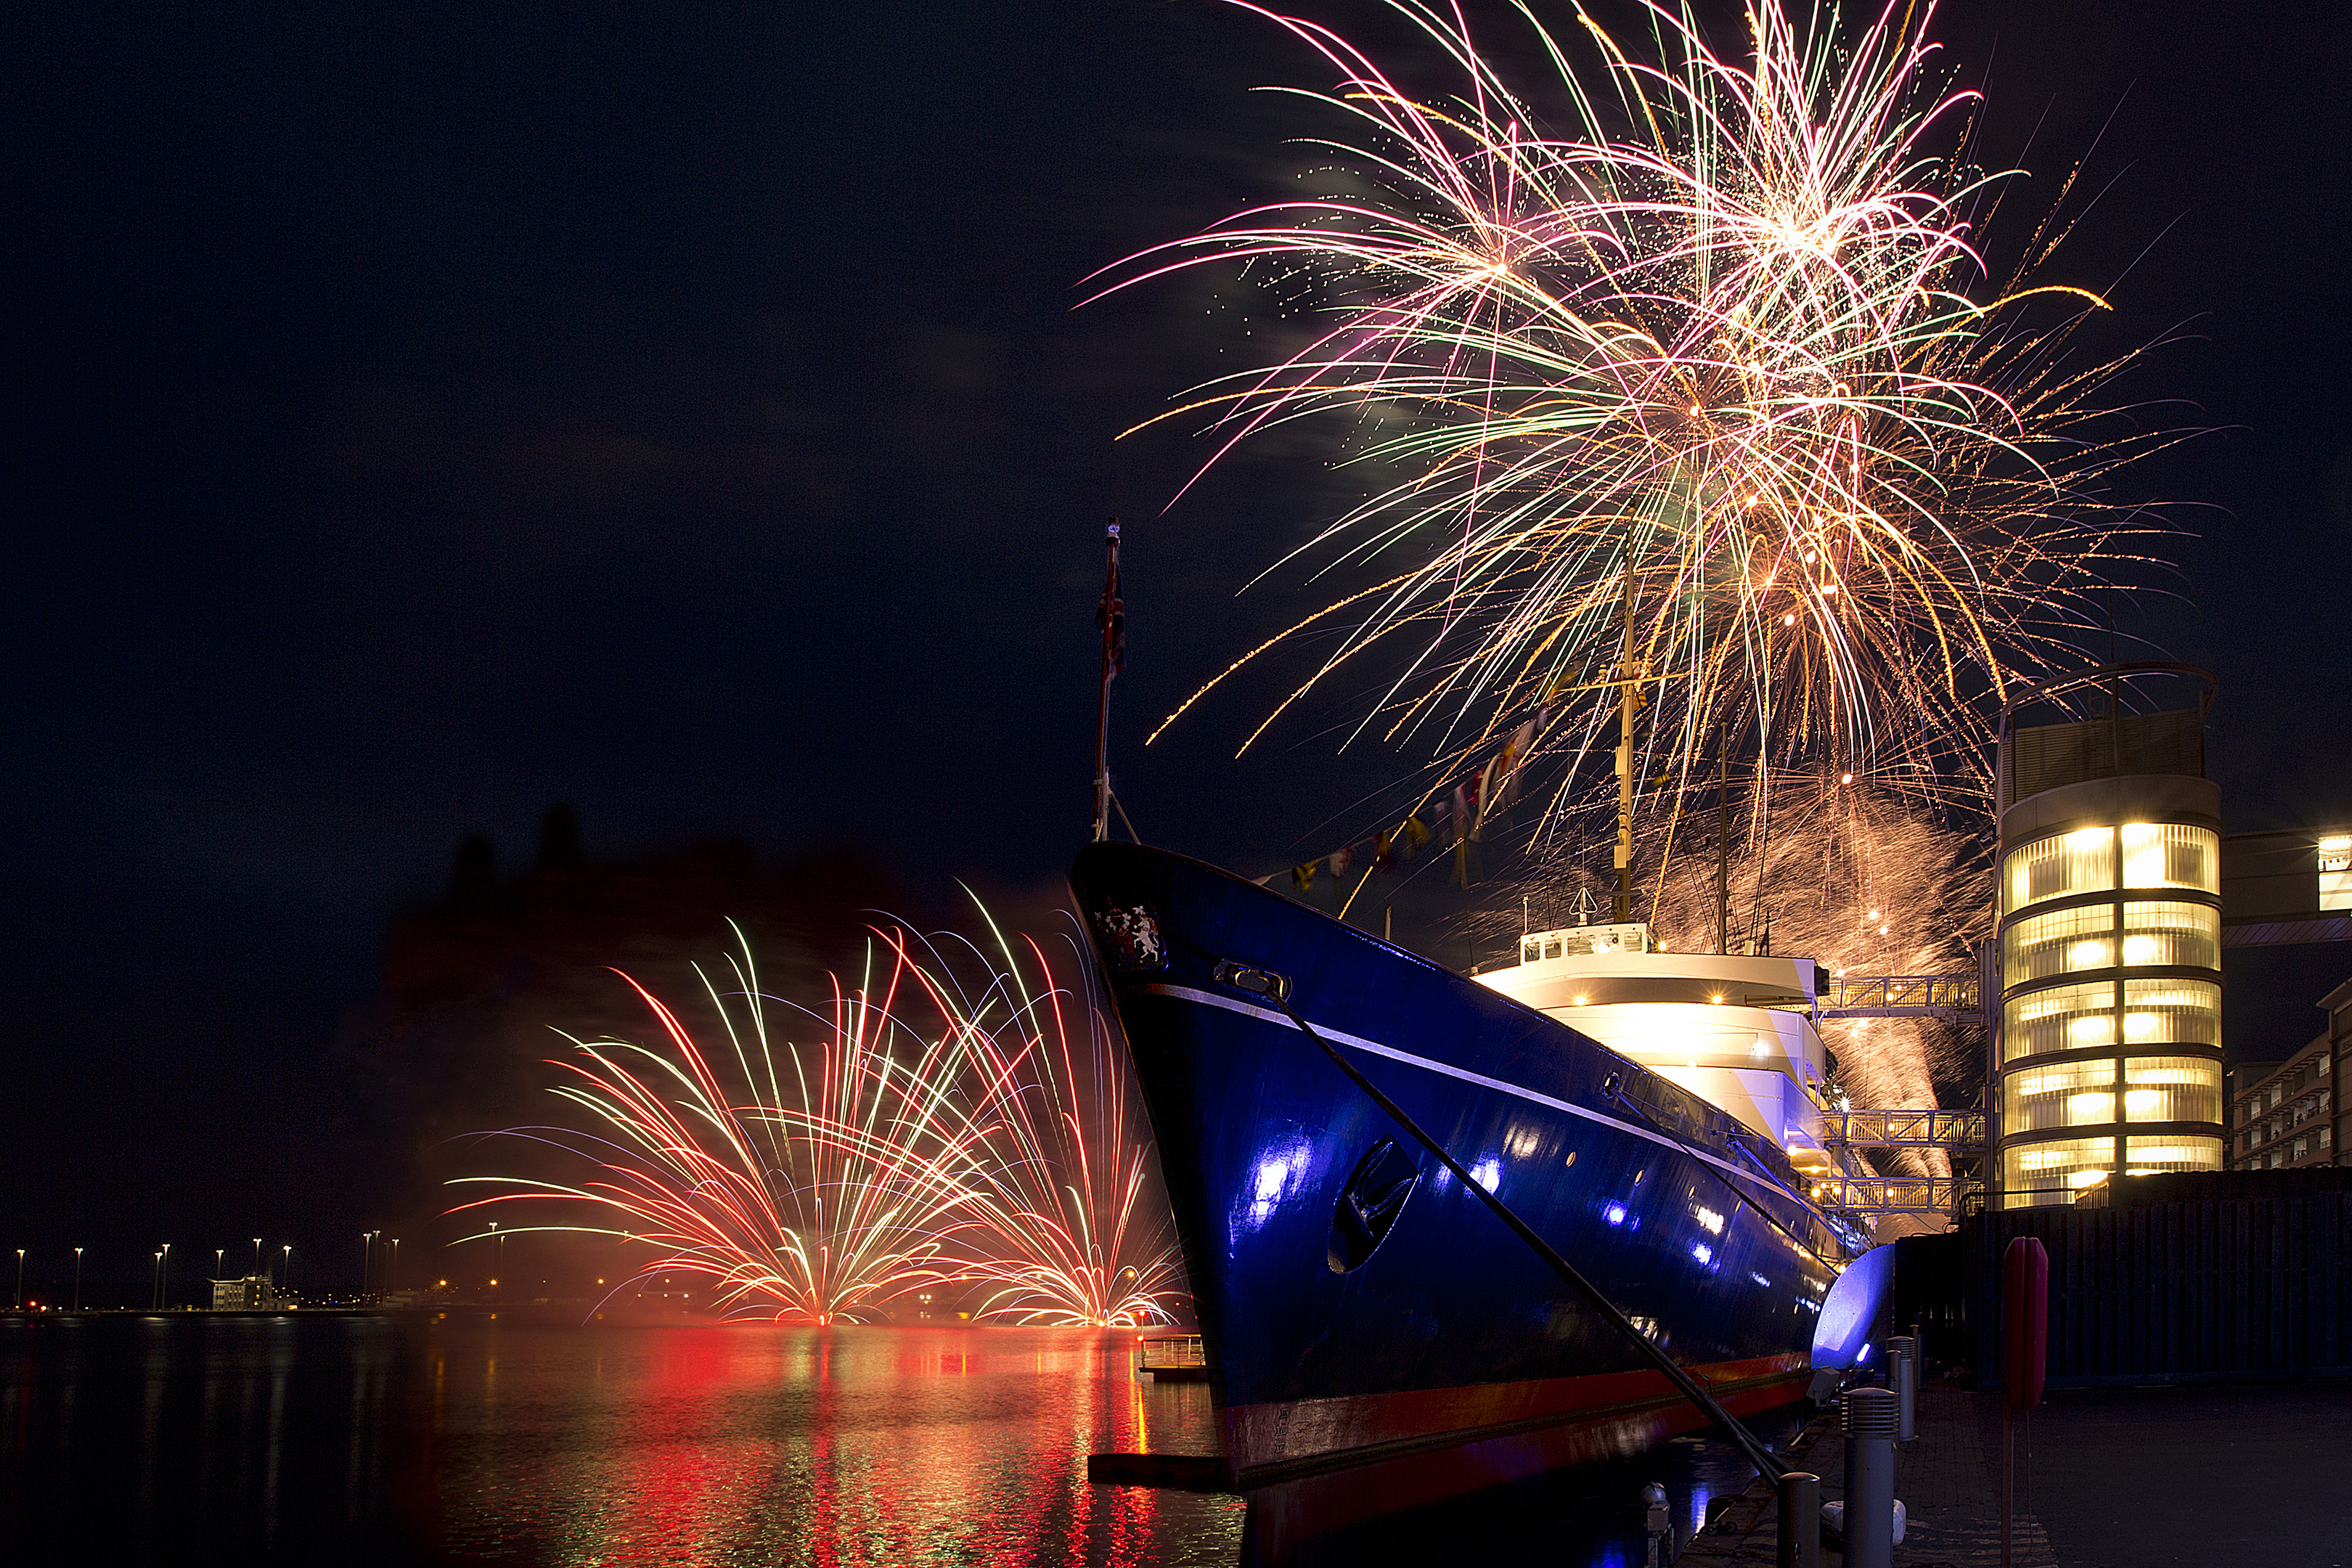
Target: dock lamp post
[(155, 1295), (163, 1277), (286, 1273), (257, 1255), (392, 1269), (76, 1279), (20, 1279), (220, 1253)]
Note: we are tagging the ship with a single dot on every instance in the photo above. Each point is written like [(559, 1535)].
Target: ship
[(1654, 1117)]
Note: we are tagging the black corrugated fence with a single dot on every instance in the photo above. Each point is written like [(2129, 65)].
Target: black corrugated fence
[(2189, 1278)]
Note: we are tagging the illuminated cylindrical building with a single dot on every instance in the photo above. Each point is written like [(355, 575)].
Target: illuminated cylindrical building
[(2108, 1046)]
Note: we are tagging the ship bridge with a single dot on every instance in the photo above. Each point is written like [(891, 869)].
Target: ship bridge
[(1737, 1032), (1741, 1033)]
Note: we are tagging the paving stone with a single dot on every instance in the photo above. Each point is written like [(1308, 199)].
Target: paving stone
[(1946, 1478)]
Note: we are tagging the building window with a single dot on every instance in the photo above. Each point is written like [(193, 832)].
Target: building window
[(2184, 936), (2044, 945), (2147, 1157), (2172, 1013), (2079, 862), (2065, 1094), (2054, 1173), (2172, 1089), (2335, 872), (2167, 854), (2064, 1017)]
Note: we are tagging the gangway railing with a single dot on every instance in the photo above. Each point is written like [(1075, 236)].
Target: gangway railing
[(1874, 1195), (1171, 1358), (1153, 1351), (1962, 1131), (1954, 998)]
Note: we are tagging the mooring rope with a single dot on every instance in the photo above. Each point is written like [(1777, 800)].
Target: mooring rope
[(1770, 1467)]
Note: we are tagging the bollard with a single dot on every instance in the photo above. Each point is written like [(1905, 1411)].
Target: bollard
[(1903, 1377), (1800, 1521), (1659, 1529), (1869, 1425)]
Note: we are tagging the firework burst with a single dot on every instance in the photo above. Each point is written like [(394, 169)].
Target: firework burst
[(1693, 394), (1068, 1230), (942, 1133)]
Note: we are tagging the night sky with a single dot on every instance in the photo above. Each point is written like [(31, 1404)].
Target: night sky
[(423, 414)]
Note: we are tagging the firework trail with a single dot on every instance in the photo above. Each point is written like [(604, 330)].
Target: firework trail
[(931, 1137), (1694, 394), (1068, 1230)]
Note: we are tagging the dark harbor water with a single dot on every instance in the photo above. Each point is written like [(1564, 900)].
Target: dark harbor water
[(377, 1440)]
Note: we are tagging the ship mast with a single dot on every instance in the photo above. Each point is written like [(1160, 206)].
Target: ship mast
[(1722, 842), (1112, 619), (1622, 907)]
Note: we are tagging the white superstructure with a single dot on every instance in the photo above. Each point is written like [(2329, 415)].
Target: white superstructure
[(1737, 1032)]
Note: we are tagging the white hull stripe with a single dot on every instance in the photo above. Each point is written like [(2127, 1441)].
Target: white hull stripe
[(1249, 1009)]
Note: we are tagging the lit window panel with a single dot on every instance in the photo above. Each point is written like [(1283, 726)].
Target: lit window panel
[(2167, 855), (2042, 945), (2171, 1089), (2185, 934), (2080, 862), (2335, 872), (2172, 1013), (2055, 1172), (2060, 1095), (2063, 1018), (2149, 1157)]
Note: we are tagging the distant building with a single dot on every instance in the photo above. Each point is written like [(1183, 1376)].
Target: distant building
[(2289, 1115), (2109, 1061), (477, 982), (253, 1294)]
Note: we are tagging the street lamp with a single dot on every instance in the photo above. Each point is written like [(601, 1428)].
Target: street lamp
[(220, 1253), (256, 1255), (76, 1279), (163, 1278), (392, 1269), (286, 1275), (20, 1280), (155, 1295)]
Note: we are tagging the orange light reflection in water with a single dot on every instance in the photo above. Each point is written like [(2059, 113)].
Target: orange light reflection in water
[(835, 1448)]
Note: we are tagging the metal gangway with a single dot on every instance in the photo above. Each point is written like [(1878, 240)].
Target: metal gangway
[(1951, 998), (1870, 1196), (1961, 1132), (1856, 1190)]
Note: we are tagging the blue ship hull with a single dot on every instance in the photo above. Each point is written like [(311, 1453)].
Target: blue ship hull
[(1357, 1304)]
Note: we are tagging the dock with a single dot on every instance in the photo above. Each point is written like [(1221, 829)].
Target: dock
[(1171, 1358), (2146, 1477)]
